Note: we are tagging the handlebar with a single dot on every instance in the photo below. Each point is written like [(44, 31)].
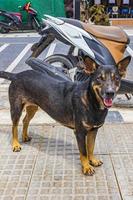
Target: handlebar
[(26, 6)]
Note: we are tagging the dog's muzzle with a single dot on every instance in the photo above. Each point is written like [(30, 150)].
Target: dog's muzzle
[(108, 98)]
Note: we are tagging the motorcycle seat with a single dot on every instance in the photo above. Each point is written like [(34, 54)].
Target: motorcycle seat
[(112, 33)]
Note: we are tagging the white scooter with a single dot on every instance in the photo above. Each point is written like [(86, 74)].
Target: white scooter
[(106, 45)]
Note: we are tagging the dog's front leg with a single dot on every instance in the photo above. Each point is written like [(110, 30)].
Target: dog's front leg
[(86, 167), (91, 136)]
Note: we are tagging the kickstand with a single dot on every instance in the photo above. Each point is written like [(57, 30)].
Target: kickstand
[(128, 96)]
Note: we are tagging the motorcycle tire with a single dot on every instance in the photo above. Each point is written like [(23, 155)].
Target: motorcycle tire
[(63, 61)]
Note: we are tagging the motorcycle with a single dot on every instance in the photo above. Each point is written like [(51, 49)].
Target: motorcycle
[(106, 45), (13, 20)]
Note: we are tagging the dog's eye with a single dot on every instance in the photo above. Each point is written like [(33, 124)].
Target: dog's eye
[(101, 77), (117, 78)]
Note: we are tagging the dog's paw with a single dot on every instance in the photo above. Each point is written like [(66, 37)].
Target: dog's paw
[(88, 170), (16, 147), (26, 139), (95, 162)]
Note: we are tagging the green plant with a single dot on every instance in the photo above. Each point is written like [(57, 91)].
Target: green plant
[(98, 15)]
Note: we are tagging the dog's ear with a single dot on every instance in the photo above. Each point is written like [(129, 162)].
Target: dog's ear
[(122, 66), (89, 65)]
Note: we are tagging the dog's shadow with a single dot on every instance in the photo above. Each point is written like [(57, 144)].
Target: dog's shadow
[(54, 144), (44, 137), (56, 140)]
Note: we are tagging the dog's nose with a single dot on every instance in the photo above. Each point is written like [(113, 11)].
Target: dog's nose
[(110, 93)]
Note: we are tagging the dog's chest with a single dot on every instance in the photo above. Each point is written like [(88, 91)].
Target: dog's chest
[(93, 119), (89, 126)]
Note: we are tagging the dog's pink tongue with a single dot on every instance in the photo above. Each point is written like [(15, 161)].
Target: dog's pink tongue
[(108, 102)]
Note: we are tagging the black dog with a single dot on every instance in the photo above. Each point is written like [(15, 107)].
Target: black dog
[(81, 106)]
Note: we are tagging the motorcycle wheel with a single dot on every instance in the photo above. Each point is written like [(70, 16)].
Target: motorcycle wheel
[(63, 61), (4, 30)]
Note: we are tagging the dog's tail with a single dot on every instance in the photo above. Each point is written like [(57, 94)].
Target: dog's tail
[(7, 75)]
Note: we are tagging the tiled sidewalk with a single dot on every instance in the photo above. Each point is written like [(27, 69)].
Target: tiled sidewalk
[(48, 168)]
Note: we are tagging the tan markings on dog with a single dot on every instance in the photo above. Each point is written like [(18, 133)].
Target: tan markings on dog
[(117, 88), (122, 72), (69, 125), (30, 112), (112, 76), (91, 136), (86, 167), (15, 143), (89, 127), (103, 76), (97, 89), (86, 126), (84, 99), (27, 103)]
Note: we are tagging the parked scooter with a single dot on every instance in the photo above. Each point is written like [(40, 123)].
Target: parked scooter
[(106, 45), (13, 20)]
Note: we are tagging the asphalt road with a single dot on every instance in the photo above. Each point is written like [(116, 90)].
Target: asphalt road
[(15, 50)]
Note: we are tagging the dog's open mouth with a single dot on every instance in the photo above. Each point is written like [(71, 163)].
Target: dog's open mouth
[(108, 102)]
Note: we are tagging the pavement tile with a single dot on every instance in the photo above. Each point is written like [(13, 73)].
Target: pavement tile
[(58, 172), (118, 138), (123, 165), (45, 182), (15, 178), (16, 168), (48, 167)]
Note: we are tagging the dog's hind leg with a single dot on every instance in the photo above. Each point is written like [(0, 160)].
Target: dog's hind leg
[(86, 167), (30, 112), (16, 110), (91, 136)]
